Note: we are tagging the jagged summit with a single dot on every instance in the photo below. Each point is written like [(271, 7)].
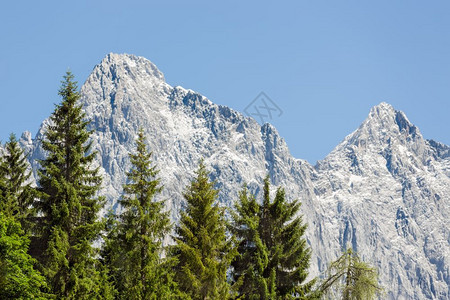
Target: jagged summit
[(383, 125), (117, 74), (385, 115), (386, 136), (119, 88), (381, 110), (129, 64)]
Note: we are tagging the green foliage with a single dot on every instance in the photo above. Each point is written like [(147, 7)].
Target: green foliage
[(273, 258), (352, 278), (134, 247), (201, 247), (18, 278), (16, 193), (68, 206), (249, 265)]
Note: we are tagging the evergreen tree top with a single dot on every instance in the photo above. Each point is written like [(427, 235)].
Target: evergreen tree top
[(69, 203), (69, 87), (16, 193), (134, 247), (202, 249), (273, 256)]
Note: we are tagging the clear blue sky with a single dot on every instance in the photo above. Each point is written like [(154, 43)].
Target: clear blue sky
[(324, 63)]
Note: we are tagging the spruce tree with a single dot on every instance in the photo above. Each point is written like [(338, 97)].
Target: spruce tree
[(16, 193), (68, 204), (5, 201), (18, 277), (201, 246), (273, 255), (134, 248), (252, 258)]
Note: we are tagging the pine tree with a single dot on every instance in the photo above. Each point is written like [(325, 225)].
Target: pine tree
[(134, 247), (273, 256), (351, 278), (201, 247), (249, 264), (16, 193), (5, 200), (18, 278), (68, 203)]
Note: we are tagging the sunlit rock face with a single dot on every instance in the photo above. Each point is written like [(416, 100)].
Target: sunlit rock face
[(384, 190)]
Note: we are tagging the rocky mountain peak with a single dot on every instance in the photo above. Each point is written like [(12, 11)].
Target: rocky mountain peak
[(383, 126), (119, 89), (118, 74), (120, 65), (384, 115), (386, 136), (382, 108), (381, 111)]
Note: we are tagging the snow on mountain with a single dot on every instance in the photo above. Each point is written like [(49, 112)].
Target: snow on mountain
[(387, 189), (384, 190)]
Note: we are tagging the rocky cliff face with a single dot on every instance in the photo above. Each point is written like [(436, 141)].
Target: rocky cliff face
[(385, 190)]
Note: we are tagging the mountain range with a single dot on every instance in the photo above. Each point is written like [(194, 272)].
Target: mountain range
[(384, 190)]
